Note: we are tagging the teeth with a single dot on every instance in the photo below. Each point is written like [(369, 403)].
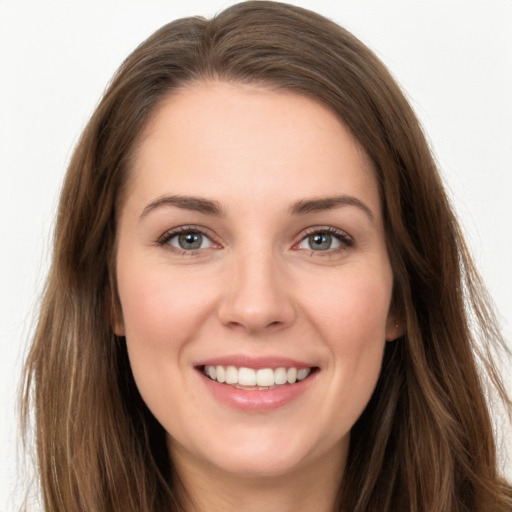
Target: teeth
[(231, 375), (247, 377), (263, 378), (280, 376), (303, 373), (291, 375), (221, 373)]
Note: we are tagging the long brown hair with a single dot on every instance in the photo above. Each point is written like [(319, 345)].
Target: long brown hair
[(425, 441)]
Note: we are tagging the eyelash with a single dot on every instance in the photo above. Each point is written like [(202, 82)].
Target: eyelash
[(346, 242), (164, 240)]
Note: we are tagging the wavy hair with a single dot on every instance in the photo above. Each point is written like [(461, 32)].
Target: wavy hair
[(425, 441)]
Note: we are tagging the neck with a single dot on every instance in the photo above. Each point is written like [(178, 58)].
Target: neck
[(311, 487)]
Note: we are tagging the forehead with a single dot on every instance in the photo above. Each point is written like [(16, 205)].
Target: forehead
[(244, 141)]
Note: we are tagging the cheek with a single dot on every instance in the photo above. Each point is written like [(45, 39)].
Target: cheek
[(161, 312), (159, 306), (353, 308), (358, 336), (351, 320)]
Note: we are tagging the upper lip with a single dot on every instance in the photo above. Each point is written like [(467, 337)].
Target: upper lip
[(256, 363)]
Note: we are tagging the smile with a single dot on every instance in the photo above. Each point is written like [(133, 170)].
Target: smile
[(256, 379), (257, 384)]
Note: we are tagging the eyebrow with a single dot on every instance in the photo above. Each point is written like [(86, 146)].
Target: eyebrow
[(197, 204), (301, 207), (329, 203)]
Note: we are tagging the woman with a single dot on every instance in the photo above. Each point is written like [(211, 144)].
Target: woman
[(261, 299)]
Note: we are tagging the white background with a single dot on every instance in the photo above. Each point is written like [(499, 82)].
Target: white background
[(453, 57)]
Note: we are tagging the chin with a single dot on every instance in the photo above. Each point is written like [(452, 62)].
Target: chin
[(264, 466), (260, 453)]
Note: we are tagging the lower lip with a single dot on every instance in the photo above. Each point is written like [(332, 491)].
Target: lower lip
[(257, 400)]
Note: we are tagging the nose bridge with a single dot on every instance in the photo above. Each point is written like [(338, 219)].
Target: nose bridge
[(257, 296)]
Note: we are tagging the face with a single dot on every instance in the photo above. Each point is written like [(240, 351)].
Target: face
[(253, 279)]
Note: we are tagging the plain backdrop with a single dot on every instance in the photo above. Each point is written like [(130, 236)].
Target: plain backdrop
[(453, 58)]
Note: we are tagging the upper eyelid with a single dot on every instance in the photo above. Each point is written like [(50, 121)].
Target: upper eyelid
[(324, 229), (172, 232)]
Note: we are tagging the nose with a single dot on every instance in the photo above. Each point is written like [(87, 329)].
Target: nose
[(258, 295)]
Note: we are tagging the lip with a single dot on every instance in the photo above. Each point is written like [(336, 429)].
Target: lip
[(256, 401), (257, 363)]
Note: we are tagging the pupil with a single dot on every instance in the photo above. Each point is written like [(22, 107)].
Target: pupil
[(320, 241), (190, 240)]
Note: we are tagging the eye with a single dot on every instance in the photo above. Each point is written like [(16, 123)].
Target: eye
[(319, 242), (323, 240), (186, 240), (190, 241)]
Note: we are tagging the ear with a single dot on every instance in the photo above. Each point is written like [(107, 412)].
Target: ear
[(394, 328), (116, 316), (115, 311), (118, 324)]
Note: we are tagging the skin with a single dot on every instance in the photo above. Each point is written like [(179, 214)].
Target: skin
[(256, 287)]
